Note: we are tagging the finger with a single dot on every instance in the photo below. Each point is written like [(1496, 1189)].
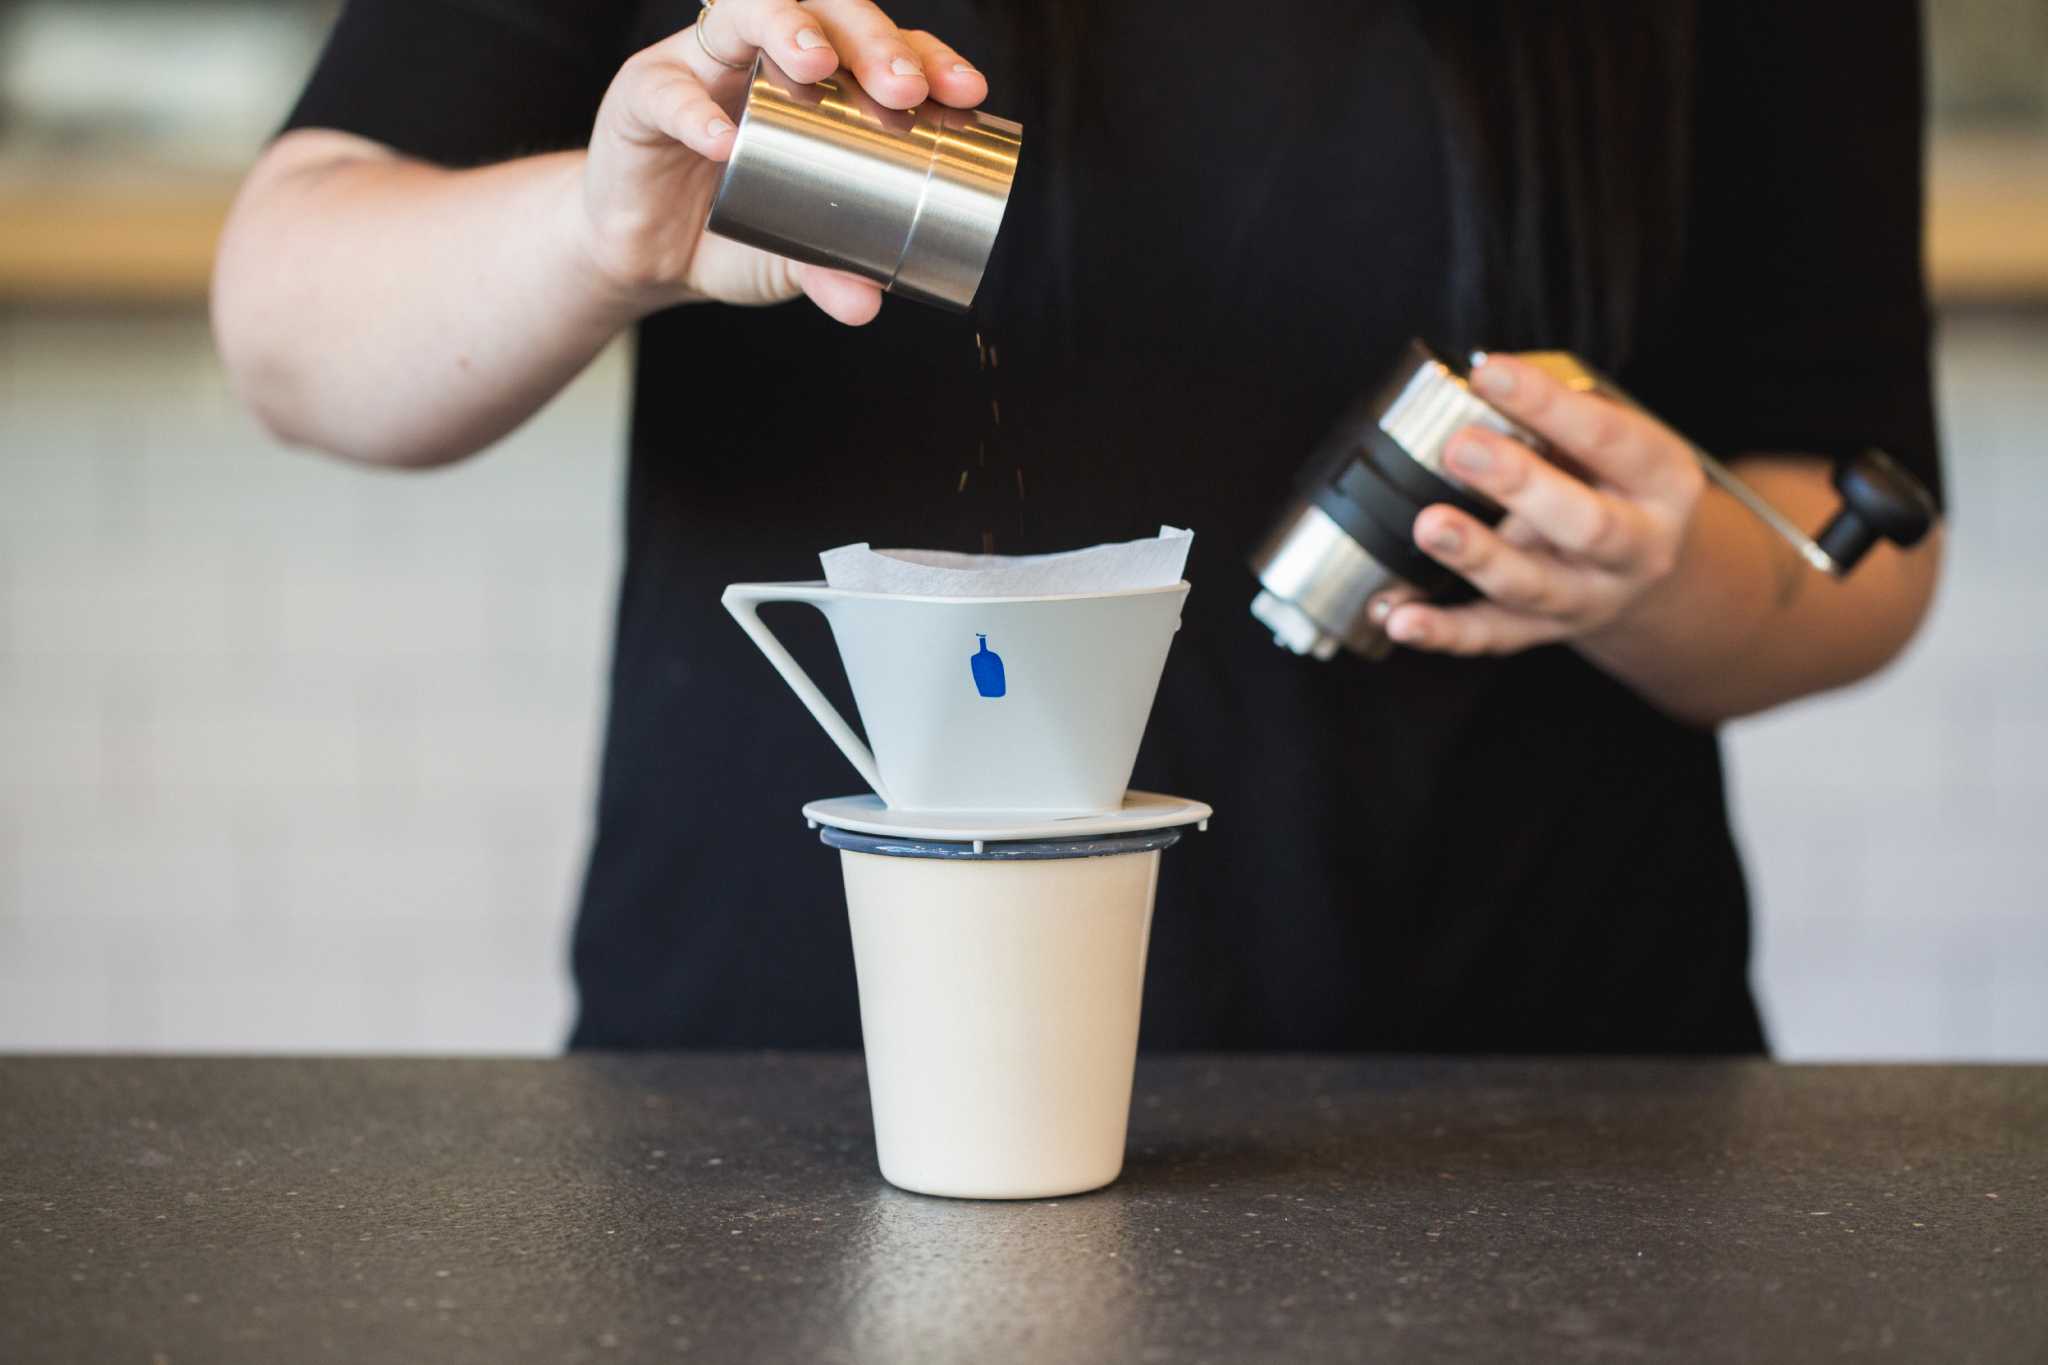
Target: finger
[(875, 50), (1480, 628), (666, 102), (1520, 534), (1382, 605), (1569, 513), (736, 29), (840, 296), (1629, 449), (952, 77), (1525, 580)]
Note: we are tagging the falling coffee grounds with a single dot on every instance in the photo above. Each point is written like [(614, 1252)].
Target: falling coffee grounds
[(993, 503)]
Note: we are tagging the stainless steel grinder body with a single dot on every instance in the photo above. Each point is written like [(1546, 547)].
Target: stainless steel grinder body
[(910, 199), (1346, 534)]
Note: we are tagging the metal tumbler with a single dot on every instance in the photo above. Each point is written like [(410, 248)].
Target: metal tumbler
[(911, 199)]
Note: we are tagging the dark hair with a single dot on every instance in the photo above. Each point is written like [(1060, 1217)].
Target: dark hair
[(1567, 129)]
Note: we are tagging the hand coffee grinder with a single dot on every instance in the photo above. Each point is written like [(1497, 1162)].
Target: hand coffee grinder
[(1346, 534)]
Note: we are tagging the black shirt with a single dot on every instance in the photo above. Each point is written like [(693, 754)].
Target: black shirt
[(1428, 853)]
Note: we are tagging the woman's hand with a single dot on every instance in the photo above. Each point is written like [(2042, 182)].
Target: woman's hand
[(390, 310), (668, 120), (1575, 558)]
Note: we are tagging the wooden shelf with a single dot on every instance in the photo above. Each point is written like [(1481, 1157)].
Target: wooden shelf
[(138, 238), (1987, 219), (129, 236)]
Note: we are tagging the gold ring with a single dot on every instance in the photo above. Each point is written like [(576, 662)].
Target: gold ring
[(704, 13)]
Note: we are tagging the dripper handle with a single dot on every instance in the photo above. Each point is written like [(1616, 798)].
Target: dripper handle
[(743, 600)]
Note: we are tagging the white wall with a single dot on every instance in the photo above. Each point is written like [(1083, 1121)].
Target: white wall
[(297, 757), (1897, 834), (292, 755)]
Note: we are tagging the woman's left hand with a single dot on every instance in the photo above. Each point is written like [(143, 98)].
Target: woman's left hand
[(1575, 557)]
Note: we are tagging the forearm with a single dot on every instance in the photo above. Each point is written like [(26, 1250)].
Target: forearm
[(1742, 624), (394, 312)]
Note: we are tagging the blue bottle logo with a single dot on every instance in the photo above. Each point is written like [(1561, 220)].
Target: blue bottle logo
[(988, 670)]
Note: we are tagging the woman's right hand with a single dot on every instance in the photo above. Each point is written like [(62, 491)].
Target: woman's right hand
[(668, 121)]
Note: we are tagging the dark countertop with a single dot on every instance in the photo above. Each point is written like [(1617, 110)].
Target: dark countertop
[(728, 1208)]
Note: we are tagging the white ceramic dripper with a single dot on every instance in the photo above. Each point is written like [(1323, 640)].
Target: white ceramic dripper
[(1031, 704)]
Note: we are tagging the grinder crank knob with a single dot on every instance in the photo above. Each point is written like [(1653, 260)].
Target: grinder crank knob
[(1881, 500)]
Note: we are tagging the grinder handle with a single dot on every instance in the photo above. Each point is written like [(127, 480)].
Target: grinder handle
[(1881, 500)]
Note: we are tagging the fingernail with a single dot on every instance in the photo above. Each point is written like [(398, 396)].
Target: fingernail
[(1380, 610), (809, 38), (1409, 630), (718, 127), (1495, 381), (903, 66), (1447, 539), (963, 69), (1470, 457)]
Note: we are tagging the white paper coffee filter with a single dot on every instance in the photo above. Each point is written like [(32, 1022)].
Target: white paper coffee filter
[(1155, 562)]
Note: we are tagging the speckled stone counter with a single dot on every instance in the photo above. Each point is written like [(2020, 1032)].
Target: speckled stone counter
[(727, 1208)]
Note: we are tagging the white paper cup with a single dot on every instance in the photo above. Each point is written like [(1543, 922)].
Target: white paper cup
[(999, 999)]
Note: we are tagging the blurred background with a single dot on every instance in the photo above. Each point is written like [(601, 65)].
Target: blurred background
[(299, 757)]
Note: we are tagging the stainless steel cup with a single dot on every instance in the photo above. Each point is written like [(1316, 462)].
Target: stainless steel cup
[(911, 199)]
